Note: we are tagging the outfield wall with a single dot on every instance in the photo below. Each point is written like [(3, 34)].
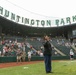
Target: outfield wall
[(13, 59)]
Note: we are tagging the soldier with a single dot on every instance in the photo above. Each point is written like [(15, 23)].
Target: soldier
[(19, 53), (23, 56)]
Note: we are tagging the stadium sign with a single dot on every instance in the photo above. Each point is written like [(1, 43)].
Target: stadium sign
[(36, 22)]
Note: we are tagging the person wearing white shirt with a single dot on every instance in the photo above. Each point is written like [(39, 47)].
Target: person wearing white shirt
[(29, 55), (71, 54)]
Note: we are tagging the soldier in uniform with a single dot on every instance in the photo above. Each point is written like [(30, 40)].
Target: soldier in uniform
[(23, 56), (19, 53)]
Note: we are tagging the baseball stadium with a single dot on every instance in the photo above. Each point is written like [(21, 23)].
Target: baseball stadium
[(22, 31)]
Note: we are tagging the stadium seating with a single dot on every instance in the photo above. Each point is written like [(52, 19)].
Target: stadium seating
[(60, 47)]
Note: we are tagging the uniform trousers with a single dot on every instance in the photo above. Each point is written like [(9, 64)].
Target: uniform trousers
[(47, 61)]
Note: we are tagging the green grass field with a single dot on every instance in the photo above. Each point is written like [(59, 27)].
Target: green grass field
[(58, 68)]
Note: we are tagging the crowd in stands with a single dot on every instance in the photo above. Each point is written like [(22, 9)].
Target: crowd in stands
[(13, 45), (10, 47), (65, 45)]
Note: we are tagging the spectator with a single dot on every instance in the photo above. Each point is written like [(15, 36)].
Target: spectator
[(71, 54), (29, 55)]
